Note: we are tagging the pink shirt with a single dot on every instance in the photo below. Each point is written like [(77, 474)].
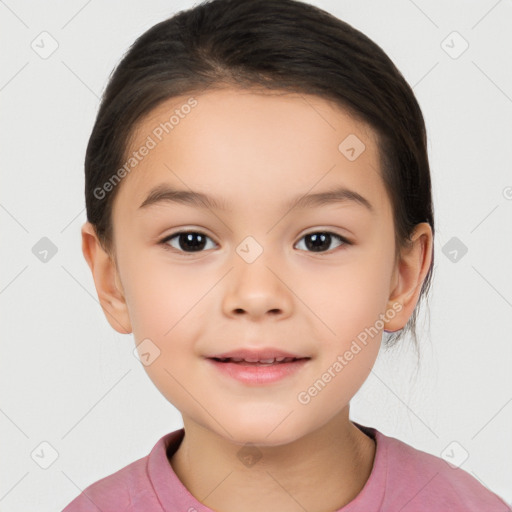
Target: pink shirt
[(402, 479)]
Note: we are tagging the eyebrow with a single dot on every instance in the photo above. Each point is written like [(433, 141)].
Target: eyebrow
[(164, 193)]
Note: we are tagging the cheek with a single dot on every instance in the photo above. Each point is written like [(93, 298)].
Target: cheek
[(165, 304), (350, 298), (349, 336), (161, 297)]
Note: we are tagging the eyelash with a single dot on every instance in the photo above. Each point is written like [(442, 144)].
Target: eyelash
[(168, 247)]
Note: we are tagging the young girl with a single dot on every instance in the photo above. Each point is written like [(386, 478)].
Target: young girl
[(259, 213)]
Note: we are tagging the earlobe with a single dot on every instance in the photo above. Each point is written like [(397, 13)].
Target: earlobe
[(410, 272), (106, 279)]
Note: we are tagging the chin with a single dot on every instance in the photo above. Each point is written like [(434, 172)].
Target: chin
[(263, 433)]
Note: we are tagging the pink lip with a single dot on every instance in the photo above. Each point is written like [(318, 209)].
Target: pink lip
[(253, 374)]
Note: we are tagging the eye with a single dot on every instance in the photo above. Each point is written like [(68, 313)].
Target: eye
[(185, 240), (319, 240), (195, 241)]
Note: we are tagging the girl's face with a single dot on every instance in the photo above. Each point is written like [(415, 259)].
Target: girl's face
[(252, 278)]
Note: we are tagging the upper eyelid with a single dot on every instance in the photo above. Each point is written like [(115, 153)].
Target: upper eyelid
[(180, 232), (201, 232)]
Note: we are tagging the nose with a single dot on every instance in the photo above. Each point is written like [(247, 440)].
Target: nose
[(257, 290)]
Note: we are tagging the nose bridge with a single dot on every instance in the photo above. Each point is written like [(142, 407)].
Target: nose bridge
[(250, 249), (253, 263), (255, 286)]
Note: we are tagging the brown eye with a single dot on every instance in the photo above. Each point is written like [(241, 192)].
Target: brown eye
[(187, 241), (320, 241)]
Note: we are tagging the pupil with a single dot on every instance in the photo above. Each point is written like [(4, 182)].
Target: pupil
[(188, 238), (318, 241)]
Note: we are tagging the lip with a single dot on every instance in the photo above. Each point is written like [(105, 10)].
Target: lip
[(253, 374), (258, 375)]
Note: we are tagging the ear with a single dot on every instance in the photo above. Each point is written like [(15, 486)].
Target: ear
[(106, 279), (408, 276)]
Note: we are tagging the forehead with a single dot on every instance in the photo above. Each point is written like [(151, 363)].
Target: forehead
[(251, 148)]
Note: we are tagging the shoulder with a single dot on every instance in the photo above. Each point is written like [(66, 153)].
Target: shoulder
[(421, 481), (127, 490), (115, 492)]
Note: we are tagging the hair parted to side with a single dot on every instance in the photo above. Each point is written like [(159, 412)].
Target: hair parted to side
[(283, 46)]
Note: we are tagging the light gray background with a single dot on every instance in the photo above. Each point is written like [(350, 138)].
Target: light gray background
[(71, 381)]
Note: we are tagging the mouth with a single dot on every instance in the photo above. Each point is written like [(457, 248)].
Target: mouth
[(258, 362), (253, 370)]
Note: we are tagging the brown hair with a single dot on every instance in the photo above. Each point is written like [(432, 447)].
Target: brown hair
[(278, 45)]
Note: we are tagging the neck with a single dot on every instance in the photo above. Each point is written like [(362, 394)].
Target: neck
[(320, 472)]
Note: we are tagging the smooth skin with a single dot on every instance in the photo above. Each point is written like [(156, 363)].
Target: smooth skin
[(255, 151)]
